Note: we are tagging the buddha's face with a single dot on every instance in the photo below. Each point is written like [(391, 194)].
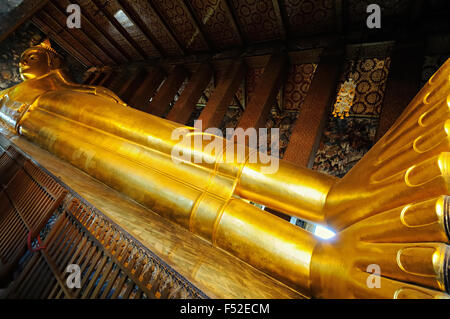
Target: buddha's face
[(33, 63)]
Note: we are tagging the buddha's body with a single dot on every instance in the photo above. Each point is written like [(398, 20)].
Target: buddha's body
[(131, 151)]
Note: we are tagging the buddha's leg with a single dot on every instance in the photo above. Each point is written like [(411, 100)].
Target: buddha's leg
[(268, 243), (294, 190), (290, 189)]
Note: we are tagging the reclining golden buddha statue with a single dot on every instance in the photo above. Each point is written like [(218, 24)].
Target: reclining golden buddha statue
[(391, 210)]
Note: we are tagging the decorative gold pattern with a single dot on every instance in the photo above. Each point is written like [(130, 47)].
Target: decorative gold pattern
[(345, 141), (370, 78)]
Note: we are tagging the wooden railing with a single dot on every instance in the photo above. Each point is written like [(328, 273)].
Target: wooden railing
[(45, 227)]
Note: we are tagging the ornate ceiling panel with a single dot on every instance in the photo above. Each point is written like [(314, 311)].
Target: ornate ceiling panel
[(77, 36), (156, 27), (258, 20), (95, 37), (309, 16), (123, 31), (181, 22), (118, 12), (217, 22), (89, 8), (370, 75)]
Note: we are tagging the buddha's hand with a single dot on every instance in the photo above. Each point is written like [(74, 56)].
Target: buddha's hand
[(400, 253), (410, 164), (99, 91), (107, 93)]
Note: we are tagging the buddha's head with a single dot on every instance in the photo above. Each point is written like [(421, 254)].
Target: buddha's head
[(38, 60)]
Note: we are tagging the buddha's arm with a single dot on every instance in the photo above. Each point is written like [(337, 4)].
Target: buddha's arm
[(63, 82)]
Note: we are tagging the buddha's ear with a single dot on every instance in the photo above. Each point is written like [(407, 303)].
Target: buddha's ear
[(55, 61)]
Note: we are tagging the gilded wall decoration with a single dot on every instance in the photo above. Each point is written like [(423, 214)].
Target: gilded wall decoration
[(239, 96), (370, 76), (297, 85), (283, 120), (345, 141), (176, 97), (207, 93), (292, 95), (290, 98)]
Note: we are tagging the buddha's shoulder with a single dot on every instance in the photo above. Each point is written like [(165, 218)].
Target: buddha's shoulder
[(26, 92)]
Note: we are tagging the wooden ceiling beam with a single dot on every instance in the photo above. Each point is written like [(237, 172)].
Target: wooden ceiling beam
[(146, 90), (106, 52), (223, 94), (135, 18), (168, 30), (279, 16), (128, 88), (120, 29), (266, 92), (92, 23), (339, 11), (16, 17), (315, 110), (234, 23), (60, 41), (63, 28), (192, 16), (98, 78), (160, 102), (45, 16), (90, 77)]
